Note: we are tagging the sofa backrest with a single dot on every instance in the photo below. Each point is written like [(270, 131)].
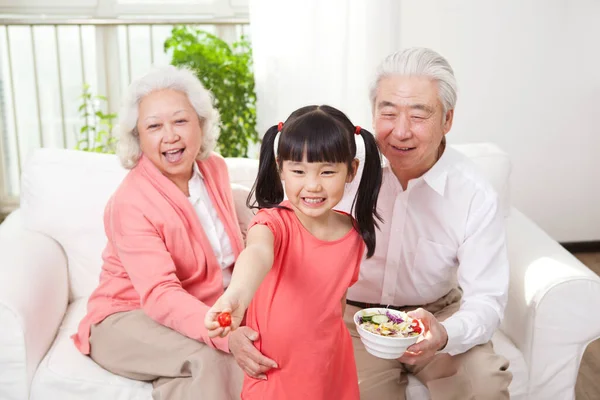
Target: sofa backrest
[(63, 195), (495, 166), (64, 192)]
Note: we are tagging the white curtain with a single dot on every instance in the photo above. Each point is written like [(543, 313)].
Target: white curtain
[(319, 52)]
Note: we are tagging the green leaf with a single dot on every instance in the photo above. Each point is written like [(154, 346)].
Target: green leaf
[(96, 130), (226, 70)]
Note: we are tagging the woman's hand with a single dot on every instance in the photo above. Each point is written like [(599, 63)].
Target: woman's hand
[(246, 354), (227, 303)]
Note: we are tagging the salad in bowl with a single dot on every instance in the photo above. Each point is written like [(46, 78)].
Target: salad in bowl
[(397, 324), (387, 333)]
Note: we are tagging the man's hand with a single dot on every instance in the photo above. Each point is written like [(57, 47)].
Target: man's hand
[(247, 356), (434, 338)]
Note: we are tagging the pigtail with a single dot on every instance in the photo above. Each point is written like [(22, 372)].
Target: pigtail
[(267, 188), (365, 202)]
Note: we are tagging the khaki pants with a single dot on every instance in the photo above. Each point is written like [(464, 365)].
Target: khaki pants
[(477, 374), (133, 345)]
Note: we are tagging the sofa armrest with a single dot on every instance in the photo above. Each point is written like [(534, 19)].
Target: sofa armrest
[(33, 299), (552, 311)]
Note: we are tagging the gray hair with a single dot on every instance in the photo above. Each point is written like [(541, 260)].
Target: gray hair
[(419, 61), (168, 77)]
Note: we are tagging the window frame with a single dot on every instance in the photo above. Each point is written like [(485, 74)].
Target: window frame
[(108, 15)]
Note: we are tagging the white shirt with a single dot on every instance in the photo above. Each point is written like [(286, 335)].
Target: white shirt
[(212, 225), (444, 229)]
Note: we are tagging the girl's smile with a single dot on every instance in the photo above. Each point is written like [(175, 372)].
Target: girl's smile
[(313, 201), (315, 188)]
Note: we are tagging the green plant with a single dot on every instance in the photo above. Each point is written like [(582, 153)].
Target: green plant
[(96, 133), (227, 72)]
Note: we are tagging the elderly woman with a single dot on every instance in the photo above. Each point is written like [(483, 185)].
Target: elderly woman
[(173, 237)]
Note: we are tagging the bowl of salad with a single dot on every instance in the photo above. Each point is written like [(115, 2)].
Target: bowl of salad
[(387, 333)]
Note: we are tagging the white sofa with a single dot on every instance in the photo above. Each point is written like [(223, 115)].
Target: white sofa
[(51, 248)]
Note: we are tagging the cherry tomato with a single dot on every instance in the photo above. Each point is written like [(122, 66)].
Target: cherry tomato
[(416, 327), (224, 319)]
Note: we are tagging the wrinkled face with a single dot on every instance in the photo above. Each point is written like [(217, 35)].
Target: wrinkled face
[(409, 123), (170, 133), (315, 188)]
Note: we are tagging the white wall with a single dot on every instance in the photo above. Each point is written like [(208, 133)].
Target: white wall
[(529, 80), (319, 52)]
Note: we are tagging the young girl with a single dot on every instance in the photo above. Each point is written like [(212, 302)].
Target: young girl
[(305, 254)]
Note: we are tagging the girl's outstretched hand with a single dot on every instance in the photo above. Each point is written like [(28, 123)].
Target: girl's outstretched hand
[(224, 316)]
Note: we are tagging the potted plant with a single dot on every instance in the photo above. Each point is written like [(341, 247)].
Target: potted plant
[(227, 72), (96, 134)]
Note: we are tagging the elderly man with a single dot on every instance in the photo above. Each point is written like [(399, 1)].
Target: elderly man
[(441, 248)]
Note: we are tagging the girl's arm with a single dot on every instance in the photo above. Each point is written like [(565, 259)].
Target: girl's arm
[(251, 267)]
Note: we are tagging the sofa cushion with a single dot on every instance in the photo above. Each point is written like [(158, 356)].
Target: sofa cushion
[(494, 164), (66, 374), (242, 171), (244, 214), (63, 195), (502, 345)]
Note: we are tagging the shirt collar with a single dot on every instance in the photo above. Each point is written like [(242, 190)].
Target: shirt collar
[(195, 183), (437, 175), (197, 170)]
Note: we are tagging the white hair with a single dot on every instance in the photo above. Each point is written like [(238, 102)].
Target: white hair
[(168, 77), (419, 61)]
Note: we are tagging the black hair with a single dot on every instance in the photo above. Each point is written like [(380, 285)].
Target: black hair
[(331, 137)]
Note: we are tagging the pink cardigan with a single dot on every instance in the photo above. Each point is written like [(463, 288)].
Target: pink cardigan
[(158, 257)]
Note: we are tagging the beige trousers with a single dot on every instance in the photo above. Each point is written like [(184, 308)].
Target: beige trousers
[(477, 374), (133, 345)]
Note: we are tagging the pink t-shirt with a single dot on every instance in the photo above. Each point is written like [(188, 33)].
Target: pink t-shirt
[(297, 311)]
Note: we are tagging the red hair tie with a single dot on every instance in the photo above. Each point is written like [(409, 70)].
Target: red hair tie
[(279, 126), (357, 130)]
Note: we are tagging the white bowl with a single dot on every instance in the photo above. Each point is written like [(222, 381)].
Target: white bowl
[(388, 347)]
